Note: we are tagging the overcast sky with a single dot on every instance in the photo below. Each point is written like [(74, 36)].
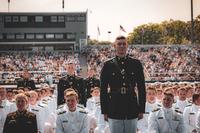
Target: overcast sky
[(109, 14)]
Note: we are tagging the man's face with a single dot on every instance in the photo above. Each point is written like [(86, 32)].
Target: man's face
[(71, 68), (71, 102), (121, 47), (151, 96), (2, 94), (26, 75), (167, 101), (95, 93), (33, 99), (21, 103), (182, 95), (197, 102)]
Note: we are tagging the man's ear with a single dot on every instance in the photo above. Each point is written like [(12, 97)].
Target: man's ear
[(113, 44)]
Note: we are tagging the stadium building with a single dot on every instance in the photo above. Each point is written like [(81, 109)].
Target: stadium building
[(43, 31)]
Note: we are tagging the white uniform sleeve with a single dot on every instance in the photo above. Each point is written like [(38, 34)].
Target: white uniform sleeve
[(186, 119), (198, 121), (59, 128), (85, 125), (181, 126), (152, 123)]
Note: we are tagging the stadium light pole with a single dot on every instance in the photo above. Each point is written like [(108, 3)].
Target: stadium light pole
[(192, 23)]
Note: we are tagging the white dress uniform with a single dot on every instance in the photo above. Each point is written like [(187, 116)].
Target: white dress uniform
[(72, 122), (166, 121), (5, 108), (39, 112), (198, 121), (142, 124), (180, 105), (190, 116)]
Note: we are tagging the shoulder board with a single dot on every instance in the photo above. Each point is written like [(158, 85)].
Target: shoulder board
[(80, 106), (192, 113), (35, 110), (147, 113), (59, 113), (44, 102), (60, 106), (189, 105), (178, 111), (159, 105), (81, 111), (40, 106), (156, 110), (98, 103)]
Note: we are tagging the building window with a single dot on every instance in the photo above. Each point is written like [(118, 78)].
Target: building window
[(39, 36), (1, 19), (1, 36), (10, 36), (81, 18), (23, 19), (15, 19), (49, 36), (54, 19), (59, 36), (8, 19), (38, 18), (71, 18), (70, 36), (19, 36), (30, 36), (61, 19)]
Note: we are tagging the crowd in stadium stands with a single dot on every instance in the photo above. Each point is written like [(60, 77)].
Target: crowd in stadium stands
[(160, 63), (44, 66)]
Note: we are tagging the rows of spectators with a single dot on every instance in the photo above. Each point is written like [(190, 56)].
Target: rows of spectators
[(160, 62), (44, 66)]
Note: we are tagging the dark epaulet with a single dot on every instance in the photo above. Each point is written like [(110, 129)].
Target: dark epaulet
[(44, 102), (188, 105), (35, 110), (60, 106), (62, 112), (178, 111), (155, 110), (80, 106), (159, 105), (40, 106), (82, 111), (98, 103)]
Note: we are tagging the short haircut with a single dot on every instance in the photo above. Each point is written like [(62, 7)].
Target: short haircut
[(169, 94), (151, 88), (21, 95), (94, 88), (70, 92), (195, 97), (120, 37), (182, 89)]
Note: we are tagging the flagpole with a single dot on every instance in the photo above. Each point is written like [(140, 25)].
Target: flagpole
[(63, 5), (8, 5)]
